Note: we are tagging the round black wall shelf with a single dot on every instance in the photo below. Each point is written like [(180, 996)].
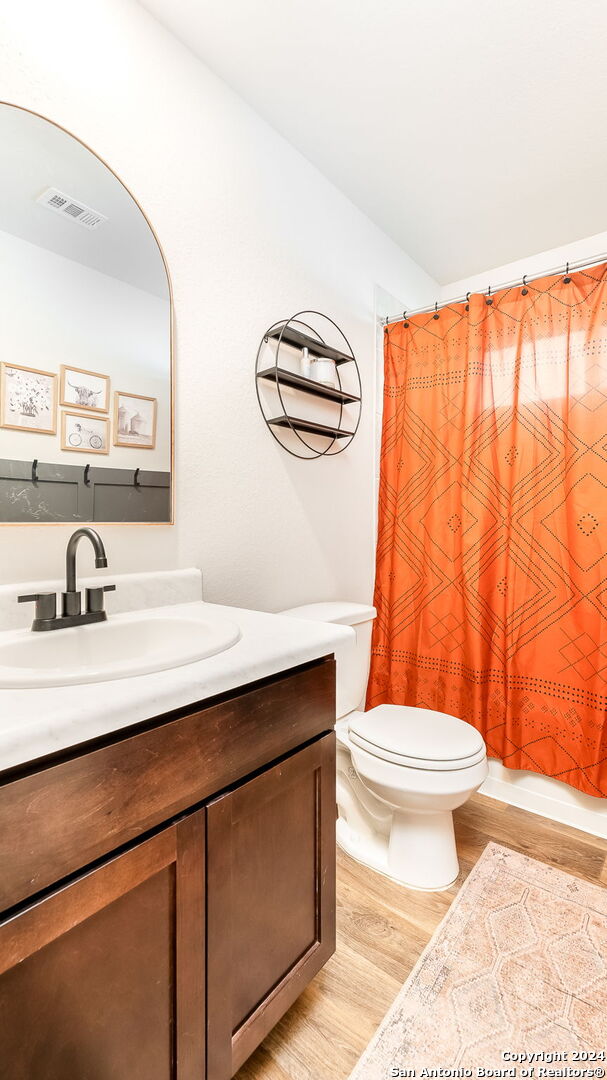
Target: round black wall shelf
[(284, 343)]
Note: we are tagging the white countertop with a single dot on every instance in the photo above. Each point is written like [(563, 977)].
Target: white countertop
[(37, 722)]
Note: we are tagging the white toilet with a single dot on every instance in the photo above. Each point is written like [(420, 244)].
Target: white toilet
[(401, 770)]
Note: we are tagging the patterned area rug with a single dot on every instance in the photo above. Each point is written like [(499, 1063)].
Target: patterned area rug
[(518, 964)]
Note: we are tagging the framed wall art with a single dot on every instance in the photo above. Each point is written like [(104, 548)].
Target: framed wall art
[(84, 389), (135, 420), (85, 433), (28, 399)]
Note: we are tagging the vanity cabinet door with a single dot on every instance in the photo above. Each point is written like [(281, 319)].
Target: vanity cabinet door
[(270, 899), (103, 979)]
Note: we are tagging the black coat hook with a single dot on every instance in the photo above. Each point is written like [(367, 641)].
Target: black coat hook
[(87, 469), (524, 289), (136, 479), (35, 471), (436, 315)]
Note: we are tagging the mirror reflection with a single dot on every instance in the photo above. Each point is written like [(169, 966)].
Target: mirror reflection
[(85, 332)]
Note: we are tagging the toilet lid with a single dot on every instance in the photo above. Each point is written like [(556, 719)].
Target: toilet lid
[(418, 738)]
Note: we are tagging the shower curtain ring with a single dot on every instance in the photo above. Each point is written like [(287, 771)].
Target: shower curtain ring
[(524, 289), (436, 315), (406, 321), (468, 301), (567, 279), (489, 298)]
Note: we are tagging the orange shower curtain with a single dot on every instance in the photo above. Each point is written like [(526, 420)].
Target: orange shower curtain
[(491, 585)]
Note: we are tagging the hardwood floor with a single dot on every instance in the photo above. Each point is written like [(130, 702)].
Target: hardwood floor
[(381, 930)]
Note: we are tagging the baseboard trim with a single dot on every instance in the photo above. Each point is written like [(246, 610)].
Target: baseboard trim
[(557, 801)]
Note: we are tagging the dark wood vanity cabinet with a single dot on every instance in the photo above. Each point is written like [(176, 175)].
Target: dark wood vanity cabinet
[(196, 918), (105, 976), (270, 899)]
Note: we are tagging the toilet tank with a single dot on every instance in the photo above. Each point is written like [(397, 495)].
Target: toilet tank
[(352, 657)]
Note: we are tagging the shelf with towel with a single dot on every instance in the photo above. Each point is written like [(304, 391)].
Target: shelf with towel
[(288, 335)]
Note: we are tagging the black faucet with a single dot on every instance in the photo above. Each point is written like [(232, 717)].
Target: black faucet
[(71, 602)]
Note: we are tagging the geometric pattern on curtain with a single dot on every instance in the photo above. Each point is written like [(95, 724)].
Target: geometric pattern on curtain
[(491, 581)]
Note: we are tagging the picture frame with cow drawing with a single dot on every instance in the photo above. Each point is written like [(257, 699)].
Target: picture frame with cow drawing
[(84, 389)]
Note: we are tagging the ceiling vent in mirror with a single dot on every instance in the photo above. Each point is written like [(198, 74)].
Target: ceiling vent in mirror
[(78, 211)]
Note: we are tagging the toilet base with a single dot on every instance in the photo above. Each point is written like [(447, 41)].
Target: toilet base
[(421, 849), (374, 852)]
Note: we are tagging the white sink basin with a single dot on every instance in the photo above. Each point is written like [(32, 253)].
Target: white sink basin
[(134, 644)]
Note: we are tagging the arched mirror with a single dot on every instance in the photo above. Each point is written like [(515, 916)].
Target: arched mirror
[(85, 337)]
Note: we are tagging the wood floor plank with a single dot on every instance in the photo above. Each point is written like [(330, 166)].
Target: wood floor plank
[(261, 1063), (380, 934), (383, 927), (532, 836), (514, 818), (320, 1036), (424, 910)]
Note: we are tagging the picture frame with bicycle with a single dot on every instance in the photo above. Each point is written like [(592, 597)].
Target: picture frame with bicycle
[(85, 433)]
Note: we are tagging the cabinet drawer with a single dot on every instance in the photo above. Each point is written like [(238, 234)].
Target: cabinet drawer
[(59, 819)]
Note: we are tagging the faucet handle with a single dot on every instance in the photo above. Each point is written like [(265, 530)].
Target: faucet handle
[(94, 597), (46, 605)]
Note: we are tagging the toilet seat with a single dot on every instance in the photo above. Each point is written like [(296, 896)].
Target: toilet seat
[(401, 771), (417, 738)]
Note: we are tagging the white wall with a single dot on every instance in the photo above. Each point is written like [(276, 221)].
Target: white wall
[(544, 262), (56, 311), (551, 798), (252, 233)]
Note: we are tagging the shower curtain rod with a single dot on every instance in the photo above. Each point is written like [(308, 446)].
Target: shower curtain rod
[(526, 278)]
